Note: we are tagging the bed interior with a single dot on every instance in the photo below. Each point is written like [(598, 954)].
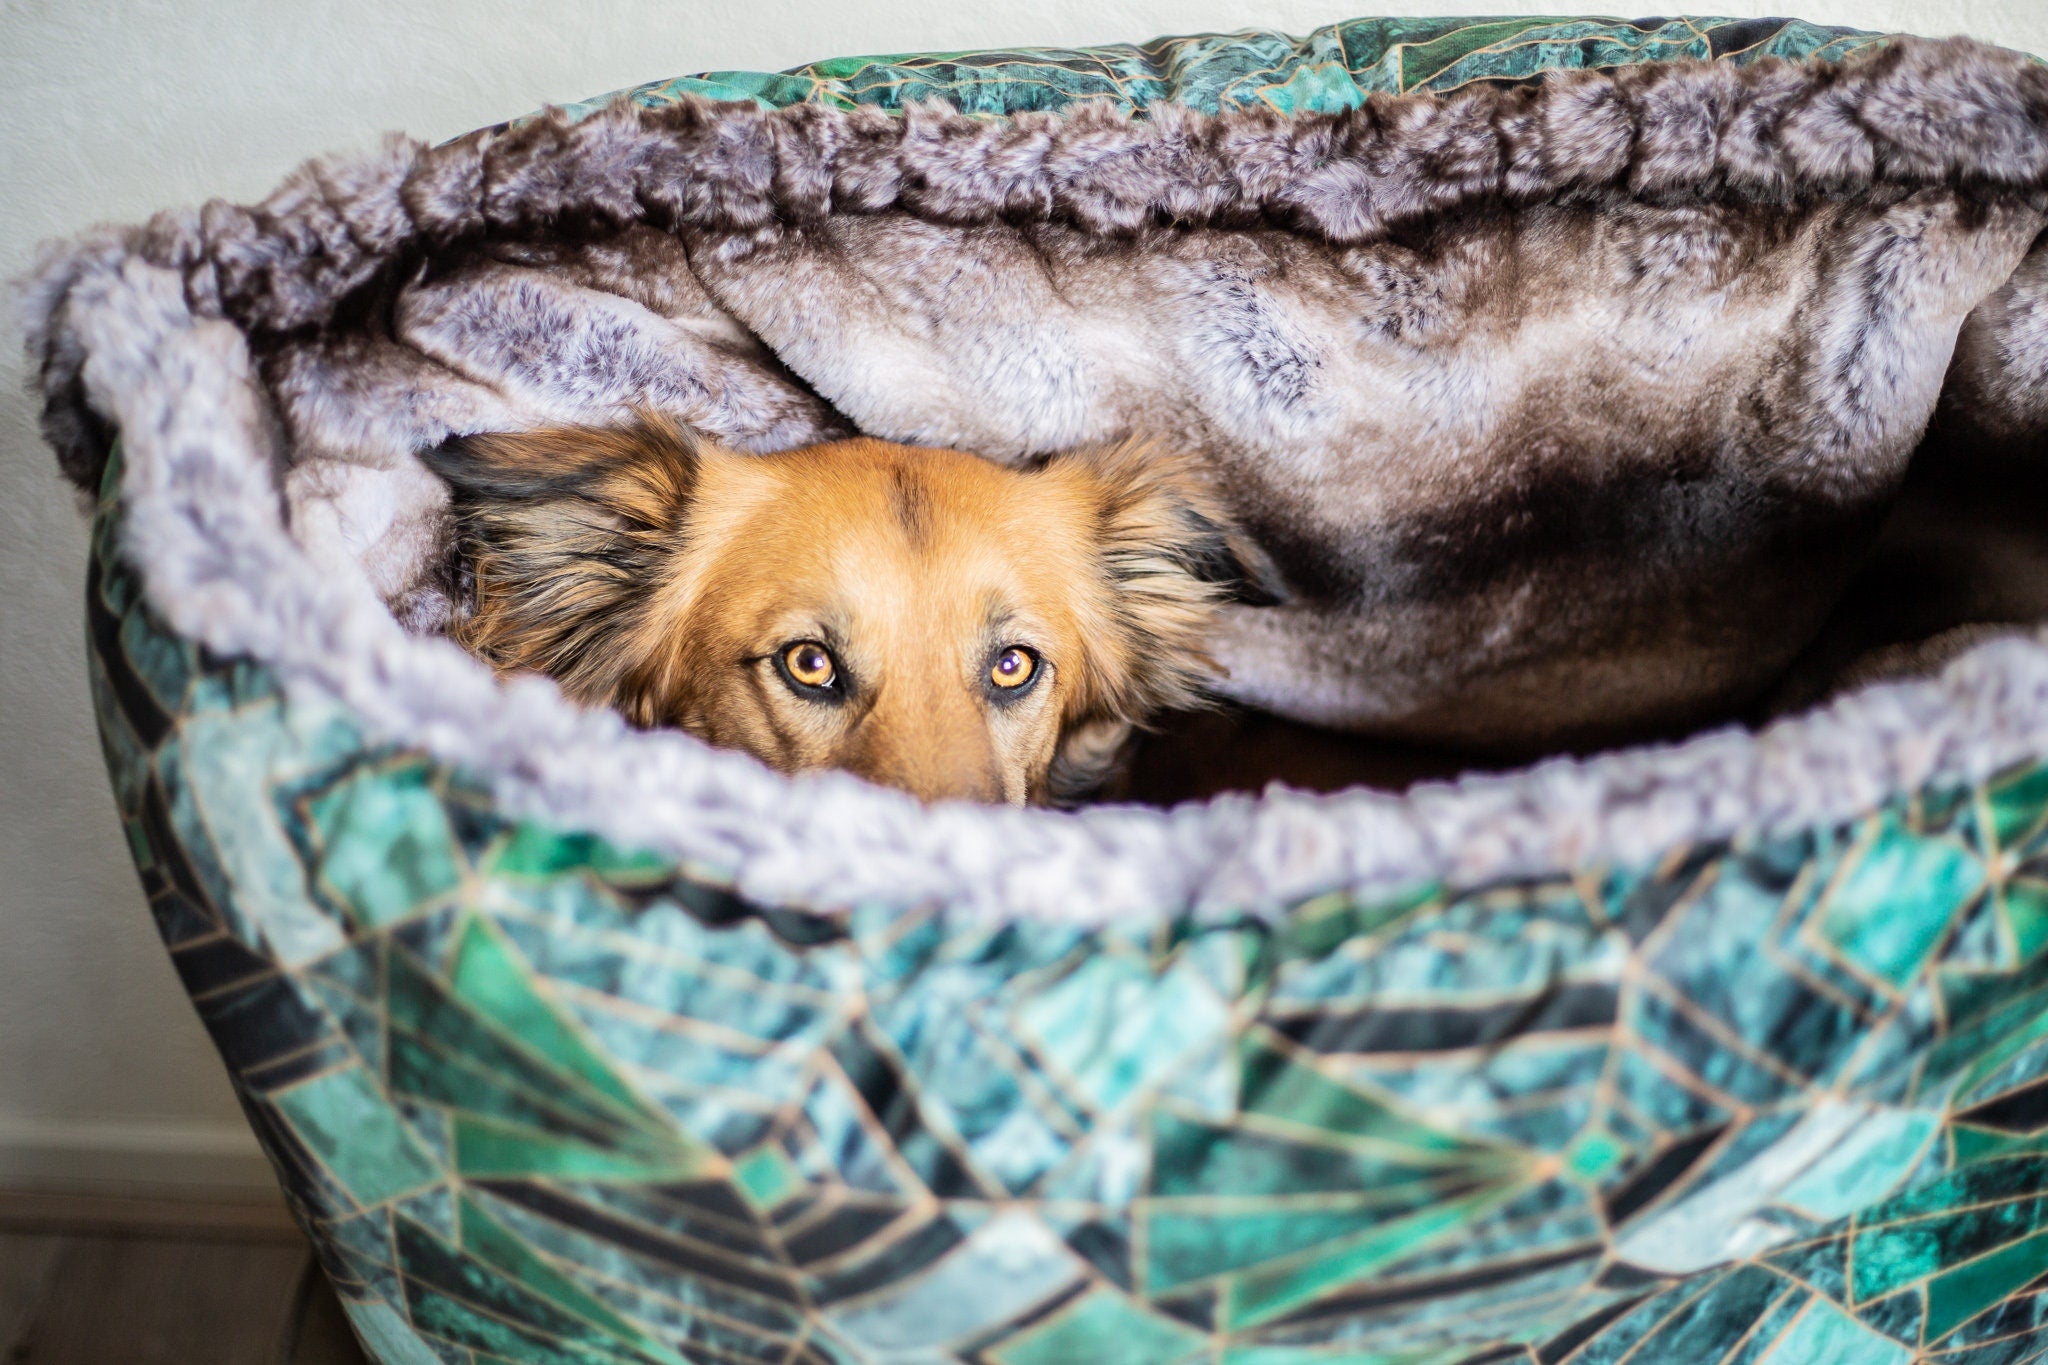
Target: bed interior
[(1962, 558), (1963, 555)]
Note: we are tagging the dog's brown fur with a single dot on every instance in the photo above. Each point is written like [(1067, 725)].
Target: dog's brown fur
[(670, 578)]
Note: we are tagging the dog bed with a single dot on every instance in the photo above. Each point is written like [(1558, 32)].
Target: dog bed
[(572, 1043)]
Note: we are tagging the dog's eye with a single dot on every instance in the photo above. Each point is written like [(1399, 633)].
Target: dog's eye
[(809, 664), (1014, 668)]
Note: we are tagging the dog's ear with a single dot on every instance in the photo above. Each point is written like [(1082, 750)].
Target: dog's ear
[(1156, 504), (568, 531), (1170, 558)]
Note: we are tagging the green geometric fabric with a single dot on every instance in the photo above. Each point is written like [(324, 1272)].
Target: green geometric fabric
[(1770, 1101), (1333, 67)]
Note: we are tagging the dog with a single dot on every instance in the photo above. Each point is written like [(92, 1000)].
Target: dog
[(925, 618)]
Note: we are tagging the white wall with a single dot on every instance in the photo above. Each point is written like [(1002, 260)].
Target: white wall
[(112, 110)]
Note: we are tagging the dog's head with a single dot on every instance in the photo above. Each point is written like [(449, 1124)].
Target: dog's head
[(924, 618)]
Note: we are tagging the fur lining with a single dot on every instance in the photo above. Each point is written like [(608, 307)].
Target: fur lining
[(169, 333), (1907, 115)]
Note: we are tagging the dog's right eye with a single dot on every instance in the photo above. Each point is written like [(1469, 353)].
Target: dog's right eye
[(808, 667)]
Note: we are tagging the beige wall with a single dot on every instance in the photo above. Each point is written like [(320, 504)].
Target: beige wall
[(112, 110)]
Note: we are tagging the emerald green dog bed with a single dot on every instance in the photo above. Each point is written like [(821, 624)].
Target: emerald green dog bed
[(575, 1044)]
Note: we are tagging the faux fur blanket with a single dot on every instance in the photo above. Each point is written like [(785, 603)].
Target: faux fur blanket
[(1556, 407), (1540, 398)]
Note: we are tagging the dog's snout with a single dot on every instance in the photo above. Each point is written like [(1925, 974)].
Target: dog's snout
[(944, 770), (936, 753), (955, 783)]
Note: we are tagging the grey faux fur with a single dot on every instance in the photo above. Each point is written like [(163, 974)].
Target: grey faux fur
[(1390, 332)]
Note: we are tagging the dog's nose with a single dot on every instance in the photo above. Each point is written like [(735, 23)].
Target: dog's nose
[(948, 771), (979, 788), (941, 753)]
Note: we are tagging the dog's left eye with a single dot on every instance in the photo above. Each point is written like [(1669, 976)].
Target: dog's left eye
[(1013, 669), (809, 665)]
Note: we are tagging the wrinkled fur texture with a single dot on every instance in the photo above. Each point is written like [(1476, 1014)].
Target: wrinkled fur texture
[(1573, 382), (668, 578), (1565, 412)]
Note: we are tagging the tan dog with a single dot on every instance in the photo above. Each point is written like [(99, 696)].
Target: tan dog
[(925, 618)]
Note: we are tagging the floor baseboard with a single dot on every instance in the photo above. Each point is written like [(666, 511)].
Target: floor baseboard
[(73, 1213), (126, 1159)]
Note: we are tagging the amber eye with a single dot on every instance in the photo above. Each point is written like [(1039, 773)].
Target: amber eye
[(809, 664), (1014, 668)]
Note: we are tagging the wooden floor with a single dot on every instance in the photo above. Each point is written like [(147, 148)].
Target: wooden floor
[(93, 1280)]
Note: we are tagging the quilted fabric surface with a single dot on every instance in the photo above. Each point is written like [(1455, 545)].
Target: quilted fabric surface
[(541, 1099)]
